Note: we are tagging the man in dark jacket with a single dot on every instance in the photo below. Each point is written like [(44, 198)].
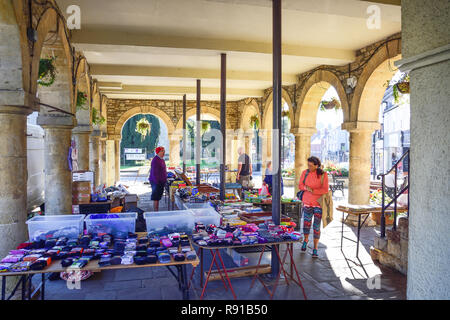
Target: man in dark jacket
[(158, 176)]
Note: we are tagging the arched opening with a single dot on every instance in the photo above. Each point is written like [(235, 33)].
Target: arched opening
[(137, 145), (330, 143), (210, 163), (251, 124)]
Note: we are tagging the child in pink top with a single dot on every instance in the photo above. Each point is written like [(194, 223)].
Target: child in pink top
[(314, 186)]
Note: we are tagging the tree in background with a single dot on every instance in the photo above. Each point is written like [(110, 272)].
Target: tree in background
[(132, 139)]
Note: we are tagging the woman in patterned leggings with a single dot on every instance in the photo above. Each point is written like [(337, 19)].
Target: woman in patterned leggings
[(314, 183)]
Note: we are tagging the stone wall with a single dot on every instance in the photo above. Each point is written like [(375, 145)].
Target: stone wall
[(170, 111)]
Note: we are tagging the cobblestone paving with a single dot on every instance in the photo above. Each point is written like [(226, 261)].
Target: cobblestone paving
[(335, 274)]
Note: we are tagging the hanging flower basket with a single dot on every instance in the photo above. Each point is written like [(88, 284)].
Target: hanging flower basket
[(81, 100), (403, 87), (143, 128), (328, 105), (97, 119), (254, 122), (47, 72), (205, 127)]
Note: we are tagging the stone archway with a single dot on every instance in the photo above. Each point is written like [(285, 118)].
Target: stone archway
[(81, 133), (53, 41), (145, 110), (309, 98), (363, 121)]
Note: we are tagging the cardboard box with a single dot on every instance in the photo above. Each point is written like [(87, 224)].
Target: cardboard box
[(80, 176), (81, 192)]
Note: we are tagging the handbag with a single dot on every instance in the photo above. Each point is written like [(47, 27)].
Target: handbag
[(301, 192)]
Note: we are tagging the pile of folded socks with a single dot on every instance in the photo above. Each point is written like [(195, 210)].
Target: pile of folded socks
[(248, 234), (76, 253)]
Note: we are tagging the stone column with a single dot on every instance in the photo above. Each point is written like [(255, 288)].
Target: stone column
[(102, 161), (360, 160), (426, 55), (117, 160), (81, 135), (58, 177), (248, 138), (13, 176), (302, 151), (174, 150), (95, 148), (110, 162)]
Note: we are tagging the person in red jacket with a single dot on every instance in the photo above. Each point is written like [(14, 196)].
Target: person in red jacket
[(314, 186)]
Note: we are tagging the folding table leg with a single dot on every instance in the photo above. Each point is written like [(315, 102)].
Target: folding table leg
[(23, 286), (209, 273), (257, 267), (279, 273), (342, 229), (221, 277), (185, 283), (43, 287), (359, 230), (226, 274), (3, 288), (291, 253)]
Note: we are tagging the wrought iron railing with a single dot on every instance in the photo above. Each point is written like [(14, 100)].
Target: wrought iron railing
[(397, 192)]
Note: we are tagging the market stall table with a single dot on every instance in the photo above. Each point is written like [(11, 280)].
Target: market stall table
[(359, 211), (218, 262), (26, 276)]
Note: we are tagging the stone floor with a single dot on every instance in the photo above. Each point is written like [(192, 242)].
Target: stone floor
[(335, 274)]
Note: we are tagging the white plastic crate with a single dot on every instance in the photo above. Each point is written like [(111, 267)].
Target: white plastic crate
[(165, 222), (118, 227), (206, 216), (44, 227)]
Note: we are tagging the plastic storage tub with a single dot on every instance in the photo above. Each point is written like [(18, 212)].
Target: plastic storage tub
[(45, 227), (117, 224), (165, 222), (196, 205), (206, 216)]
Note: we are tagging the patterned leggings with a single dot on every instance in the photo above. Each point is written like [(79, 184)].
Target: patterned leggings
[(308, 213)]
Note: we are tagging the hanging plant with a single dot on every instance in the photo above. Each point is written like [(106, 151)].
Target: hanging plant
[(254, 122), (96, 118), (285, 114), (143, 128), (81, 100), (331, 104), (47, 72), (401, 87), (205, 127)]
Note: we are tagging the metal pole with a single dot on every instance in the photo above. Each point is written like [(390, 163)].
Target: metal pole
[(184, 134), (276, 143), (198, 137), (223, 113)]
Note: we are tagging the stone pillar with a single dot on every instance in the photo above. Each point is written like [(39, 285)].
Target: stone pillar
[(248, 138), (13, 176), (302, 151), (58, 177), (95, 148), (102, 161), (360, 160), (426, 55), (81, 135), (110, 162), (117, 160), (174, 150)]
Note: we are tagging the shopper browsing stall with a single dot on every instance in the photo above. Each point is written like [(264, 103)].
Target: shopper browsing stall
[(314, 184), (268, 178), (244, 171), (158, 176)]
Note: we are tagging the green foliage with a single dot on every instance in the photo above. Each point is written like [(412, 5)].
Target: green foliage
[(254, 122), (133, 139), (47, 72), (331, 104), (97, 119), (143, 127), (81, 100)]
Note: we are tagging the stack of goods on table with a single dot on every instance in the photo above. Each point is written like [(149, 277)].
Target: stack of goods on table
[(268, 232), (106, 249)]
